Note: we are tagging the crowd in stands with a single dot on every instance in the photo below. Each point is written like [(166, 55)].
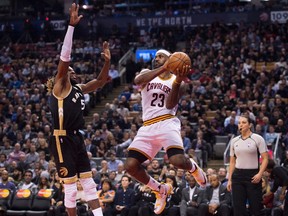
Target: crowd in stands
[(225, 81)]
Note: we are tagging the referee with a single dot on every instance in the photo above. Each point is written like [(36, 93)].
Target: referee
[(245, 172)]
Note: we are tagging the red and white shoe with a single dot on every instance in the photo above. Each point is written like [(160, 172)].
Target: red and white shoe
[(161, 196)]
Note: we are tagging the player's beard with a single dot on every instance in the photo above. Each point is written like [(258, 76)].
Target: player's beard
[(73, 82), (157, 65)]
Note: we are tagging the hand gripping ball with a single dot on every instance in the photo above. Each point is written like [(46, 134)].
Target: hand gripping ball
[(177, 61)]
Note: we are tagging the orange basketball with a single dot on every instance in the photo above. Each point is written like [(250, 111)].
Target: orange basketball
[(177, 60)]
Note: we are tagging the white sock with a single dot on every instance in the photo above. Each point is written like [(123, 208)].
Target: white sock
[(97, 212), (153, 184)]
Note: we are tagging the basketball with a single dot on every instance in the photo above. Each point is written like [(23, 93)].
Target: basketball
[(178, 60)]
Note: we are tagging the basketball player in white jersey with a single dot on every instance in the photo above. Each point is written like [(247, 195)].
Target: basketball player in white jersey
[(161, 91)]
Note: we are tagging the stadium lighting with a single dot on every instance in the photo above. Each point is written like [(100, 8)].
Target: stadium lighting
[(86, 7)]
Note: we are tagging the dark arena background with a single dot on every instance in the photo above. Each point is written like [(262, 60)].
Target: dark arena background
[(238, 50)]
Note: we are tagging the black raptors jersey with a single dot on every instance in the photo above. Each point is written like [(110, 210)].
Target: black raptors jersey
[(67, 113)]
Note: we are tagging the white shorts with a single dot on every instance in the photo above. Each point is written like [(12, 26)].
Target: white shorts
[(150, 139)]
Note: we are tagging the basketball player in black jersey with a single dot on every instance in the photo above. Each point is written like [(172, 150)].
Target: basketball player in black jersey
[(67, 105)]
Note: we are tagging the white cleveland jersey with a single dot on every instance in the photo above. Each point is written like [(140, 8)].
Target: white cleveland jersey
[(154, 96)]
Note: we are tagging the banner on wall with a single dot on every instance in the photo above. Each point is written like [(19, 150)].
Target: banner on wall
[(164, 21), (58, 25), (145, 22), (145, 54), (279, 16)]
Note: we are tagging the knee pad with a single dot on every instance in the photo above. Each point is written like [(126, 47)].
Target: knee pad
[(70, 191), (89, 188)]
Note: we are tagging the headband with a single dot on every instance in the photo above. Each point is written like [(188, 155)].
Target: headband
[(162, 51)]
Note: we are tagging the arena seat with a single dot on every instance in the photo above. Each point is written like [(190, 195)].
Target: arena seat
[(210, 118), (160, 154), (134, 114), (211, 113), (207, 101), (270, 66), (205, 106), (199, 157), (132, 102), (259, 66), (223, 139), (97, 160), (130, 119), (22, 201), (5, 199), (285, 100), (220, 145), (41, 203)]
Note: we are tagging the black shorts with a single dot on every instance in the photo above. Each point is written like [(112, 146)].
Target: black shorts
[(71, 159)]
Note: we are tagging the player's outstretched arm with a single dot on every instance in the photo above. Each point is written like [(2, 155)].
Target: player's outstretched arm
[(65, 54), (102, 78)]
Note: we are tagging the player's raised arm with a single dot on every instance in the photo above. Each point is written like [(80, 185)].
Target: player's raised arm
[(65, 55), (102, 78)]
